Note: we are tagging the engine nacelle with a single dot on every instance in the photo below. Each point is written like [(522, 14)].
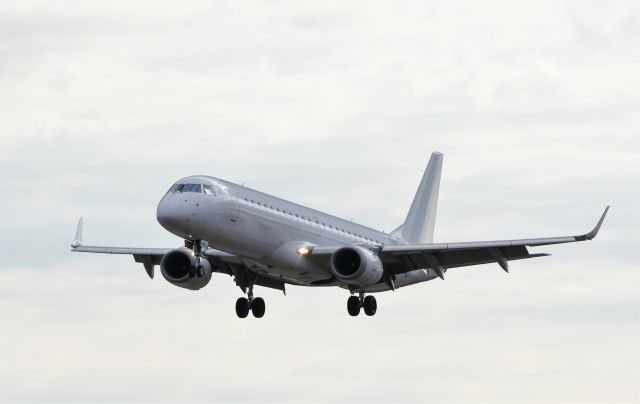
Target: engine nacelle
[(356, 266), (180, 267)]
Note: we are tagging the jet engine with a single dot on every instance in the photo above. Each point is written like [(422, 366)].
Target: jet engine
[(356, 266), (180, 267)]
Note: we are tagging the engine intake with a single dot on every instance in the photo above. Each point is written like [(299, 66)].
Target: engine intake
[(356, 266), (180, 267)]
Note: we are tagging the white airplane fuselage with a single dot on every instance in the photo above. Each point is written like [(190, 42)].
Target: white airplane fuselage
[(265, 232)]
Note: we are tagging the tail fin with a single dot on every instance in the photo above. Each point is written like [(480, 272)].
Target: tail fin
[(420, 222)]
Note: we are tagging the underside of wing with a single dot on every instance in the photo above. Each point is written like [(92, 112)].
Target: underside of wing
[(439, 261)]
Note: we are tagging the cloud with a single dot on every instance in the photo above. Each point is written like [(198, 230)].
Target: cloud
[(337, 106)]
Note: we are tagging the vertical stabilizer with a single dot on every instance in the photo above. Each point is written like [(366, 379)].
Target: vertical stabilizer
[(420, 222)]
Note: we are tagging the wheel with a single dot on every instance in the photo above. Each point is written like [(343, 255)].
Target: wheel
[(370, 305), (200, 271), (353, 306), (258, 307), (242, 307)]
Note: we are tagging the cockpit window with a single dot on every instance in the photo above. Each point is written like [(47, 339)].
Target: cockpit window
[(186, 188), (175, 188), (192, 188), (197, 188), (208, 189)]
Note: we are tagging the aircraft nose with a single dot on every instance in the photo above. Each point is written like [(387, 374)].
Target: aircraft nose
[(169, 217)]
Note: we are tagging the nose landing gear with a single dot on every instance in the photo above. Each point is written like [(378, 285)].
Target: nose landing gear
[(369, 304), (198, 246)]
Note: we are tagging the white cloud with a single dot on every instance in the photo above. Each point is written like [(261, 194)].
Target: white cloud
[(104, 104)]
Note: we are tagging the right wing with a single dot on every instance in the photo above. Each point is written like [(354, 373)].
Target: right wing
[(441, 256)]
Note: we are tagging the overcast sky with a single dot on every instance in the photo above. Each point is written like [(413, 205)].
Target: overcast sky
[(336, 105)]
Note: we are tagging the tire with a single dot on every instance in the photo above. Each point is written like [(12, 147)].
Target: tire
[(258, 307), (370, 305), (353, 306), (242, 307)]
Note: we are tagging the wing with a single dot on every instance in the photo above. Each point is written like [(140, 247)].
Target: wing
[(442, 256), (220, 261)]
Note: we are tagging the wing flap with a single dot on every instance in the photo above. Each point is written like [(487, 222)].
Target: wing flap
[(401, 263), (420, 259)]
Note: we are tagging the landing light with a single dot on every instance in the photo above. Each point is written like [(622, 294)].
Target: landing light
[(304, 251)]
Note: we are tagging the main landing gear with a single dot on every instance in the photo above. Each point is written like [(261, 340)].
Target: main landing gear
[(255, 305), (369, 304)]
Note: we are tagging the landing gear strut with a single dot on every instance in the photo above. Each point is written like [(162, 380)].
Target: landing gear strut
[(369, 304), (255, 305), (198, 246)]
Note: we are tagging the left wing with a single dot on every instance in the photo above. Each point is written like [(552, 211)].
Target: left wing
[(220, 261), (442, 256)]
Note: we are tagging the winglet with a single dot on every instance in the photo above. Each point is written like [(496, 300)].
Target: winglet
[(77, 242), (592, 234)]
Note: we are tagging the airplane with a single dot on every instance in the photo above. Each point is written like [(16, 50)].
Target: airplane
[(262, 240)]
